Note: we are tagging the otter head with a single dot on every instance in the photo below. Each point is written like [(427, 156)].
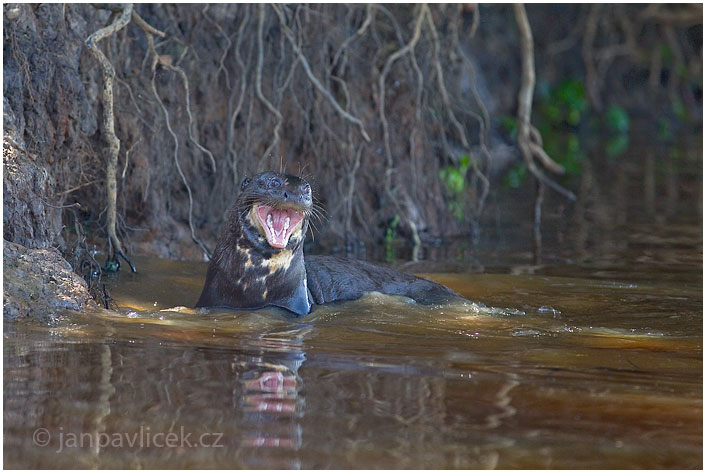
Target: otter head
[(275, 209)]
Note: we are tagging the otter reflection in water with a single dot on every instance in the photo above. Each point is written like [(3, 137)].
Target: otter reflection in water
[(259, 260)]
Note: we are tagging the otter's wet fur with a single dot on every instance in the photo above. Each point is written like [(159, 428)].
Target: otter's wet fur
[(249, 270)]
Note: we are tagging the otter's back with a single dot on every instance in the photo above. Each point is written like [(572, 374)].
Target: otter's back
[(335, 278)]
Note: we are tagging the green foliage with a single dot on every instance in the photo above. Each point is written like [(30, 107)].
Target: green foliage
[(516, 175), (390, 238), (665, 52), (453, 177), (664, 129), (509, 124), (679, 110), (391, 231), (617, 121), (560, 113), (567, 103), (617, 145)]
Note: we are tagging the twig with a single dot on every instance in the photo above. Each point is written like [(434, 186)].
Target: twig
[(65, 206), (75, 188)]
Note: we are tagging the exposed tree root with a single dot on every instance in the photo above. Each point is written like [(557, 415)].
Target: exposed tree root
[(155, 61), (525, 133), (376, 99), (108, 73)]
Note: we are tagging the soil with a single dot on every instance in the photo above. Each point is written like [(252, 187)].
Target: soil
[(39, 284)]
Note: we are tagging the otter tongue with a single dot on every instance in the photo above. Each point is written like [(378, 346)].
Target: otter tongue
[(278, 224)]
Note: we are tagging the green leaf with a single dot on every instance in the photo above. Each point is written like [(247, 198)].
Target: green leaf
[(573, 146), (571, 92), (574, 117), (617, 119), (664, 130), (679, 109), (509, 124), (516, 175), (453, 179), (572, 163), (553, 112), (464, 162), (665, 52), (456, 209), (617, 145)]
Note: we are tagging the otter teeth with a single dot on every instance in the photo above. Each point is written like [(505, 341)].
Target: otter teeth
[(270, 224)]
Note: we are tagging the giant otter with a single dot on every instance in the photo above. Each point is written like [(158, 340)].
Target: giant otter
[(259, 259)]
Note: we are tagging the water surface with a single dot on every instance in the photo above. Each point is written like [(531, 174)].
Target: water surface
[(590, 365)]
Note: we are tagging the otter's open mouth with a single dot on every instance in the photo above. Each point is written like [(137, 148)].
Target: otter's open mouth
[(278, 224)]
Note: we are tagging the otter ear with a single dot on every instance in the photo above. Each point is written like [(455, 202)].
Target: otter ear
[(246, 181)]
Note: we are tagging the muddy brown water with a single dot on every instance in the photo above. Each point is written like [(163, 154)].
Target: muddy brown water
[(590, 365)]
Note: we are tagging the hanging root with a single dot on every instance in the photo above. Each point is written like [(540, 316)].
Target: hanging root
[(305, 64), (108, 73), (368, 96), (258, 83), (153, 67), (528, 138)]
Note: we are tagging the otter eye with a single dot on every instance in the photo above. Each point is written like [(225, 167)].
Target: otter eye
[(246, 181), (276, 182)]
